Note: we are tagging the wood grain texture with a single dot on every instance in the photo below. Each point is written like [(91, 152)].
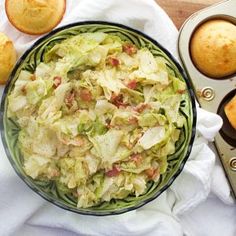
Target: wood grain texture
[(180, 10)]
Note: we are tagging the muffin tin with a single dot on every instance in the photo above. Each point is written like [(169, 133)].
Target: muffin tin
[(212, 94)]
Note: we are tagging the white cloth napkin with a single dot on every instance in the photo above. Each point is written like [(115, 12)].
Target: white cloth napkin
[(177, 211)]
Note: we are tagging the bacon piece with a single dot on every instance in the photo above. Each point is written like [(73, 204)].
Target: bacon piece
[(133, 120), (33, 77), (70, 98), (113, 61), (85, 95), (151, 173), (129, 48), (137, 158), (113, 172), (141, 107), (54, 173), (117, 100), (132, 84), (56, 81), (23, 89), (181, 91)]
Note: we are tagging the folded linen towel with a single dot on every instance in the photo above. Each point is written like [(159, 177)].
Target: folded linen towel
[(23, 212)]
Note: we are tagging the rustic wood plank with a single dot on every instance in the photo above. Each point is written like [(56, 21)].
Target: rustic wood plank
[(180, 10)]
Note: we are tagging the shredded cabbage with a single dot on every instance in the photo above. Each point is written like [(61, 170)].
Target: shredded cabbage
[(98, 118)]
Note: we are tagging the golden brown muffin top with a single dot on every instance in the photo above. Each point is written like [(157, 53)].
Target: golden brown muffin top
[(7, 57), (35, 16), (213, 48)]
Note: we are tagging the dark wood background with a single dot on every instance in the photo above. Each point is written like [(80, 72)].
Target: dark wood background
[(180, 10)]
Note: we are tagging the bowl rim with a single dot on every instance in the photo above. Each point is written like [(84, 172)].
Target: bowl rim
[(181, 71)]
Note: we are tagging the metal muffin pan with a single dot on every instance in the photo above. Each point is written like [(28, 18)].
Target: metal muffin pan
[(212, 94)]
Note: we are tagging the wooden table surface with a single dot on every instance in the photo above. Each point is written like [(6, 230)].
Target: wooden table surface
[(180, 10)]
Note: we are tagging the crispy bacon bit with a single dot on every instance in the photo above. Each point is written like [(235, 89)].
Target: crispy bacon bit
[(113, 61), (113, 172), (132, 84), (69, 99), (54, 173), (141, 107), (137, 158), (33, 77), (151, 173), (117, 100), (180, 91), (129, 48), (85, 95), (56, 81), (133, 120), (23, 89)]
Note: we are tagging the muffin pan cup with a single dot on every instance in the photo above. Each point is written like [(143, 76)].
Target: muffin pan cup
[(211, 93)]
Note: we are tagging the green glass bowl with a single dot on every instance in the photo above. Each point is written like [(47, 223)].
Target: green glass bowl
[(48, 190)]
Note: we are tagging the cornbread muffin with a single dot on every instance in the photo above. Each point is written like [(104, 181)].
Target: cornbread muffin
[(213, 48), (7, 57), (35, 16), (230, 111)]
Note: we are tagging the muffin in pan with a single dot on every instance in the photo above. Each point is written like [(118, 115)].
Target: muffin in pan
[(213, 48), (230, 111), (35, 16), (7, 57)]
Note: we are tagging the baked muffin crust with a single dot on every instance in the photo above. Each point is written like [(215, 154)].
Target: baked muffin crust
[(35, 16), (7, 57), (213, 48)]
